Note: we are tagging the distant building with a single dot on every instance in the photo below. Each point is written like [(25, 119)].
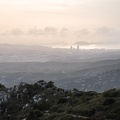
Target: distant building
[(78, 47)]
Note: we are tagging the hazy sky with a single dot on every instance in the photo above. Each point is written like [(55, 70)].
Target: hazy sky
[(60, 22)]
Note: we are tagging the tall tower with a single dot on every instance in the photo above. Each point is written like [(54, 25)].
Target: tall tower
[(71, 47)]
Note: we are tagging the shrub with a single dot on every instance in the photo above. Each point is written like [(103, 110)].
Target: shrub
[(62, 100), (111, 93), (78, 93), (2, 87), (34, 115), (108, 101)]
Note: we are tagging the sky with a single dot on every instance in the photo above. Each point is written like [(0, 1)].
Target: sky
[(88, 23)]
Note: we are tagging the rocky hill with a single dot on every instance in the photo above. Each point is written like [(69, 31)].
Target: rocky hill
[(44, 101)]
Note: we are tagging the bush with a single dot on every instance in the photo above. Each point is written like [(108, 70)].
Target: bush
[(108, 101), (78, 94), (34, 115), (99, 116), (43, 105), (62, 100), (50, 84), (90, 93), (111, 93), (2, 87)]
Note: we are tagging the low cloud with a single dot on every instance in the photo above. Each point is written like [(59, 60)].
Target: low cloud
[(105, 31), (35, 31), (31, 31), (64, 32), (52, 35), (46, 31), (82, 32), (14, 32), (83, 43)]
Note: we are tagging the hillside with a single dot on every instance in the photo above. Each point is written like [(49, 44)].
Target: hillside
[(67, 75), (44, 101), (98, 82)]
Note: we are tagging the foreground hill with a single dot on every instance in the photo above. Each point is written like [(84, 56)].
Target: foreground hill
[(44, 101)]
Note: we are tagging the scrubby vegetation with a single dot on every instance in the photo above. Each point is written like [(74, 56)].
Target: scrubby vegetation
[(44, 101)]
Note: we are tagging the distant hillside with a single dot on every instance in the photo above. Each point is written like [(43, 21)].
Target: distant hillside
[(100, 82), (37, 67), (67, 75), (44, 101)]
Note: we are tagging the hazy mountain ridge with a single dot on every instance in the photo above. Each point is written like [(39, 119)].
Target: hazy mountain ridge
[(67, 75)]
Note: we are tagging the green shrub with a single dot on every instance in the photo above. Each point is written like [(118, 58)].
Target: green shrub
[(62, 100), (108, 101), (34, 115)]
